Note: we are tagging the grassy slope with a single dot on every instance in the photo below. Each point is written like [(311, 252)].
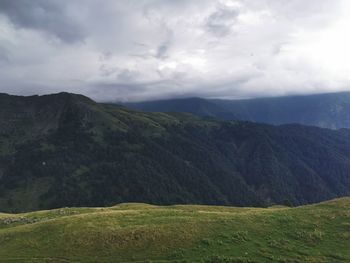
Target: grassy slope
[(138, 232)]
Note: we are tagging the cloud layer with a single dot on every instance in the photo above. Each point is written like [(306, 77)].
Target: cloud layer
[(150, 49)]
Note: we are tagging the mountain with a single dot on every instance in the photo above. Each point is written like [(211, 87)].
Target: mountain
[(331, 110), (67, 150), (196, 106), (181, 233)]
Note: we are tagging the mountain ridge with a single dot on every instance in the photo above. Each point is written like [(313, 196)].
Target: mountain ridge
[(72, 151), (328, 110)]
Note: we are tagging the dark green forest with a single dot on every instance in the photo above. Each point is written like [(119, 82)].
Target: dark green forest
[(66, 150)]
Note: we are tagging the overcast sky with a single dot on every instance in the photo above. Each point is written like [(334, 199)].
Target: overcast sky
[(149, 49)]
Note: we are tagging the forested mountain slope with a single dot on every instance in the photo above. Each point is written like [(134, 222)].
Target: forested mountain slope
[(66, 150), (331, 110)]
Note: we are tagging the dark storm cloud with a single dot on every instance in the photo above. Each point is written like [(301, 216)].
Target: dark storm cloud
[(222, 21), (4, 56), (45, 15), (162, 50)]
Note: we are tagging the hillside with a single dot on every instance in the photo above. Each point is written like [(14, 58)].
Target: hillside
[(67, 150), (145, 233), (330, 110), (196, 106)]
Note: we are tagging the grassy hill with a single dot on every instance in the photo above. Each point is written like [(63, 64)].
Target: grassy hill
[(179, 233), (67, 150)]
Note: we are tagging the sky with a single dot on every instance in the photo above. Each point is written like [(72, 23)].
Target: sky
[(132, 50)]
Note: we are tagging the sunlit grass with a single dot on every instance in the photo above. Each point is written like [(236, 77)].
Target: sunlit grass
[(181, 233)]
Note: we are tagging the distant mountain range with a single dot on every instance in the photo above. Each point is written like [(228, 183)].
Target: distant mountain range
[(331, 110), (67, 150)]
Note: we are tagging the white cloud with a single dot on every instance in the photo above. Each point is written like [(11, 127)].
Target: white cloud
[(144, 49)]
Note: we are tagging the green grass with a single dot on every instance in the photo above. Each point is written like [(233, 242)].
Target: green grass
[(181, 233)]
